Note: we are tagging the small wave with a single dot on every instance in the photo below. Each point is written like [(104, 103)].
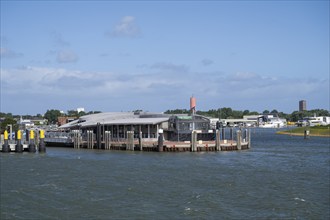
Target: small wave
[(299, 199)]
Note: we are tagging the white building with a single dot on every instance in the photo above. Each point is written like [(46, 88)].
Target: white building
[(80, 110)]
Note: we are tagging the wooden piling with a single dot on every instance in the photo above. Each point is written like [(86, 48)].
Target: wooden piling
[(239, 140), (194, 141), (140, 141), (217, 140), (160, 142), (249, 139), (107, 140), (130, 141), (98, 136)]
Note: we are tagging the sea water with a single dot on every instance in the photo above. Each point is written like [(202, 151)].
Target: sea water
[(280, 177)]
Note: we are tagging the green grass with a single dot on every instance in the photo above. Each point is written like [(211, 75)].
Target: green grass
[(313, 131)]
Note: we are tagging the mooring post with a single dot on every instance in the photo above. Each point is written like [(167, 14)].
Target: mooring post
[(18, 146), (193, 141), (130, 140), (98, 136), (160, 141), (91, 139), (32, 146), (249, 139), (140, 141), (306, 133), (231, 134), (246, 135), (5, 146), (42, 147), (239, 140), (223, 133), (217, 140), (107, 140)]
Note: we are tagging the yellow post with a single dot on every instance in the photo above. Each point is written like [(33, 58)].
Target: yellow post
[(19, 136), (5, 134), (42, 134), (31, 134)]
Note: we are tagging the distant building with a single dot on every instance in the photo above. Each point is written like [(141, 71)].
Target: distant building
[(26, 123), (80, 110), (64, 119), (302, 105)]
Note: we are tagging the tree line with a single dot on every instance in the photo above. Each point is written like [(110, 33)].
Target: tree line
[(228, 113), (221, 113)]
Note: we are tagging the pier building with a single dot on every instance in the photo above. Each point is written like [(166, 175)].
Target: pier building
[(174, 127)]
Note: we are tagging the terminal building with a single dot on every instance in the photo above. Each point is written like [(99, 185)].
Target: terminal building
[(144, 124), (174, 127)]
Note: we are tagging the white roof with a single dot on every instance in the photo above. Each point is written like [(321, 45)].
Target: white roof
[(118, 118)]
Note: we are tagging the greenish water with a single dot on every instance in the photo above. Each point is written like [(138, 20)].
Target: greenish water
[(281, 177)]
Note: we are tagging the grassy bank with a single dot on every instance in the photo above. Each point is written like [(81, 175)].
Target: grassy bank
[(320, 131)]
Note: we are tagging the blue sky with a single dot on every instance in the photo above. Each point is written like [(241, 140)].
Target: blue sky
[(128, 55)]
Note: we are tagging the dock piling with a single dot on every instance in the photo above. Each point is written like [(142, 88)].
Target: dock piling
[(217, 140), (18, 146), (130, 140), (42, 147), (5, 146), (161, 142), (194, 141), (98, 136), (306, 134), (140, 141), (239, 140), (107, 140), (32, 146)]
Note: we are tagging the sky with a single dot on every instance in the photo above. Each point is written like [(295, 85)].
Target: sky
[(153, 56)]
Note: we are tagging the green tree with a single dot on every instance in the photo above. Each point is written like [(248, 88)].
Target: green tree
[(246, 112), (82, 113), (52, 115), (72, 113), (226, 113), (7, 121), (274, 111), (265, 112)]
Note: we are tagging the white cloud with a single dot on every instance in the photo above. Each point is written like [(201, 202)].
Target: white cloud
[(213, 89), (66, 56), (127, 27), (34, 80)]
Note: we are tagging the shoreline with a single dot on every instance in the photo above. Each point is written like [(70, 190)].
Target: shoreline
[(301, 134)]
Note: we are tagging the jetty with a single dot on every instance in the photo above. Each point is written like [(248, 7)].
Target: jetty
[(33, 141), (224, 139)]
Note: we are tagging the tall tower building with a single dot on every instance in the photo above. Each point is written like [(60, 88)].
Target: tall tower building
[(302, 105), (192, 105)]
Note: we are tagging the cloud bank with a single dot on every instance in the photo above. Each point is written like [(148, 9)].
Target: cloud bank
[(161, 86)]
